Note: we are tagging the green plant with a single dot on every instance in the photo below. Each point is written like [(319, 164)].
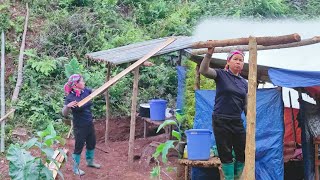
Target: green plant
[(23, 165), (164, 148)]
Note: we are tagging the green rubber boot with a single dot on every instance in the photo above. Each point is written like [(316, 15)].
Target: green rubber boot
[(76, 169), (228, 171), (238, 168), (89, 158)]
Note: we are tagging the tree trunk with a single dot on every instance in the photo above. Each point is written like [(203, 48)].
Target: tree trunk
[(265, 41), (20, 63)]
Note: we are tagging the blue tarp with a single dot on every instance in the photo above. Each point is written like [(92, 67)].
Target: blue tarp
[(269, 130), (294, 79), (291, 79), (181, 73)]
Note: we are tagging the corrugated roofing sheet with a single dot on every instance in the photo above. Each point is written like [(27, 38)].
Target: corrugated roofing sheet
[(136, 51)]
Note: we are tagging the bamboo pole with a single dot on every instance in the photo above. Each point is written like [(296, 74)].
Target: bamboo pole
[(133, 115), (3, 102), (303, 42), (124, 72), (20, 62), (265, 41), (249, 172), (106, 135)]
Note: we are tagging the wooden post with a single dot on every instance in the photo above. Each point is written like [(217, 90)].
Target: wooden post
[(133, 115), (3, 102), (249, 172), (197, 82), (106, 135)]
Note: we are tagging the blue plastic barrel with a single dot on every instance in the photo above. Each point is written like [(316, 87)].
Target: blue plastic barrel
[(158, 109), (198, 144)]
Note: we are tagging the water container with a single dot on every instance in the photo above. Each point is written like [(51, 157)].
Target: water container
[(158, 109), (198, 141)]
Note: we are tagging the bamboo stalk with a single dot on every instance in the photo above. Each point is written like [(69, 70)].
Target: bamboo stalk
[(303, 42), (3, 102), (251, 112), (133, 115), (266, 41), (20, 62), (124, 72)]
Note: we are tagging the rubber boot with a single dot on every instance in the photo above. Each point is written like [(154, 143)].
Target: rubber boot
[(76, 169), (89, 158), (238, 168), (228, 171)]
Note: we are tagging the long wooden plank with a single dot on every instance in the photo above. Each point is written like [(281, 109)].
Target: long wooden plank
[(124, 72), (251, 112), (304, 42), (266, 41)]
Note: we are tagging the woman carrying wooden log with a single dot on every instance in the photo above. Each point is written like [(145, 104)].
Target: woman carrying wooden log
[(230, 102), (83, 127)]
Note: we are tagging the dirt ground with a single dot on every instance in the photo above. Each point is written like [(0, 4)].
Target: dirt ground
[(113, 156)]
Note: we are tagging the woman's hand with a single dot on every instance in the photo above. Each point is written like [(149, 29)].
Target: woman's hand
[(72, 104), (210, 50)]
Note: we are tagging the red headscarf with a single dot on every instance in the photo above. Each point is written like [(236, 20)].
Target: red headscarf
[(72, 82)]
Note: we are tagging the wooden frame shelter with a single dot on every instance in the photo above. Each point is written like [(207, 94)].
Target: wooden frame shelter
[(251, 71)]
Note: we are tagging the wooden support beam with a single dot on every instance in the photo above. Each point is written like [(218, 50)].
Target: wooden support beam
[(197, 82), (303, 42), (133, 115), (249, 172), (124, 72), (265, 41), (106, 135)]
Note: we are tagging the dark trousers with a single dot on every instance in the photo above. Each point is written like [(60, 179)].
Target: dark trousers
[(84, 135), (229, 134)]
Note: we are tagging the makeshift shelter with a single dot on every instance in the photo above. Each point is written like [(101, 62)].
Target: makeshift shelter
[(133, 52), (271, 116)]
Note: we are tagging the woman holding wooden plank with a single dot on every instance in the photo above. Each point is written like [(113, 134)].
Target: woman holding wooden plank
[(83, 127), (230, 102)]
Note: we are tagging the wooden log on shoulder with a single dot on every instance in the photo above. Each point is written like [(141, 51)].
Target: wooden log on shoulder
[(304, 42), (265, 41)]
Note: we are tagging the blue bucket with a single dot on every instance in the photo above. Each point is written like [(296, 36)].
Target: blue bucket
[(158, 109), (198, 144)]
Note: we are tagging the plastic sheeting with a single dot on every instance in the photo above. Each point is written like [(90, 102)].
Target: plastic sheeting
[(292, 79), (269, 130), (309, 116), (181, 74)]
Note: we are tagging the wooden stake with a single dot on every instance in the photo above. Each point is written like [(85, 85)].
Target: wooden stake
[(249, 172), (197, 83), (20, 61), (124, 72), (106, 135), (3, 100), (133, 115), (303, 42)]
